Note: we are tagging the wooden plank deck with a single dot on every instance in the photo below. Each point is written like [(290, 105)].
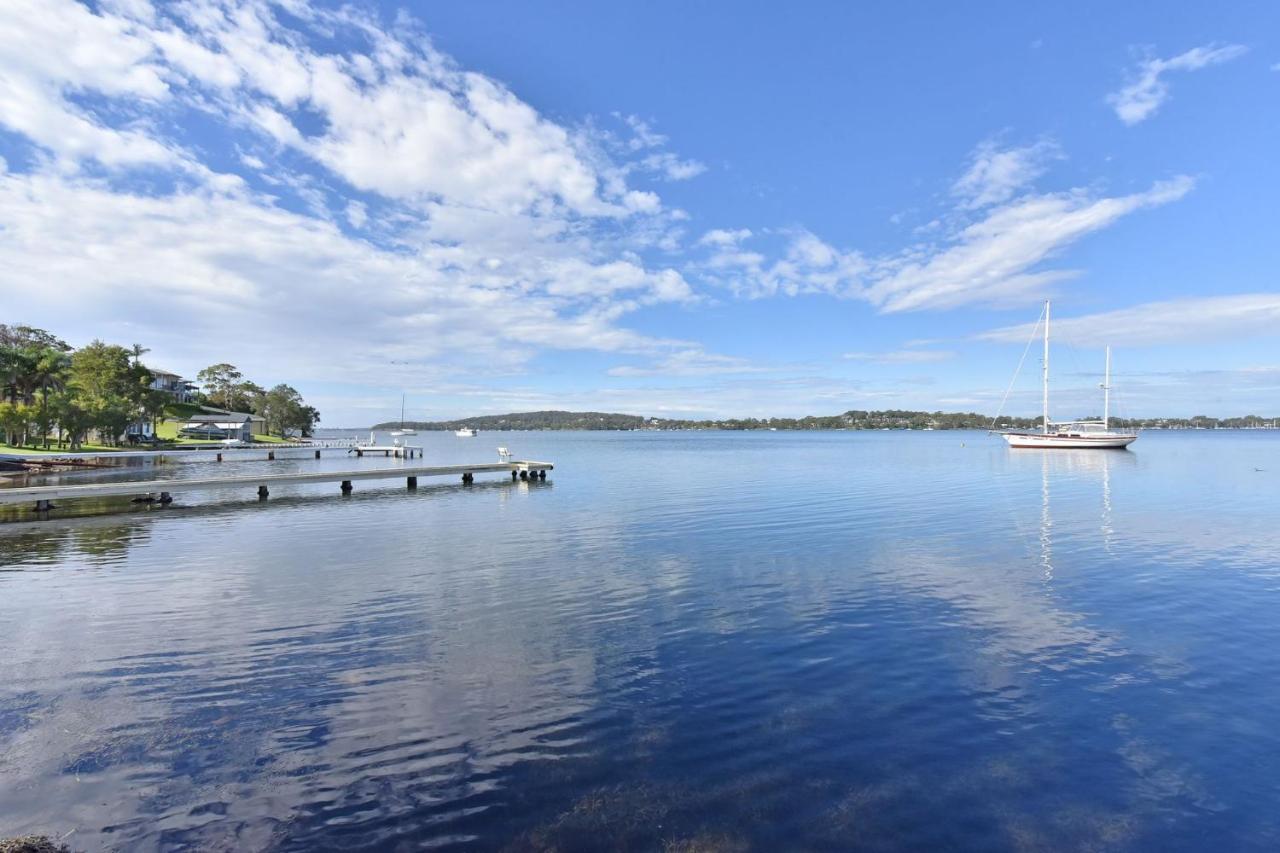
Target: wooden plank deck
[(42, 495)]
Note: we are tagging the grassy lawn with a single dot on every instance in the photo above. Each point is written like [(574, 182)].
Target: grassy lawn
[(182, 411)]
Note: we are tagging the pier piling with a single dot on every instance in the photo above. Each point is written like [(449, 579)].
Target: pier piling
[(413, 482), (346, 487), (263, 493)]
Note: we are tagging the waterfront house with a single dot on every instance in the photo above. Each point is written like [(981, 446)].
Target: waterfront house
[(172, 383)]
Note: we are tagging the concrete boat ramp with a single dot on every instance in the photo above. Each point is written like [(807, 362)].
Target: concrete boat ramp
[(41, 498)]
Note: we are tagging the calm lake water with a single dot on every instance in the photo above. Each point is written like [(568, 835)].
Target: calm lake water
[(689, 641)]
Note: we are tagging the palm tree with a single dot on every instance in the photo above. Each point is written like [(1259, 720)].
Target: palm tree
[(16, 367), (49, 374), (138, 350)]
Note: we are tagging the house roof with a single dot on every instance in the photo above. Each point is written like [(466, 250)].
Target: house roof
[(156, 371), (225, 417)]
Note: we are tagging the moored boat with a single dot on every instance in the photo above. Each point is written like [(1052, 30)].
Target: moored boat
[(1074, 435)]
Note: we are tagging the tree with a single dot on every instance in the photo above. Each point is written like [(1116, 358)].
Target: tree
[(73, 421), (219, 381), (16, 366), (154, 402), (50, 373), (285, 411), (246, 397), (138, 351), (22, 337), (107, 387), (15, 421)]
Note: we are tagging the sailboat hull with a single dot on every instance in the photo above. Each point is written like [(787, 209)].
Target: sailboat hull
[(1108, 441)]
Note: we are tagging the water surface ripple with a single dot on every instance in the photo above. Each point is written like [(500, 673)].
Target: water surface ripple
[(685, 641)]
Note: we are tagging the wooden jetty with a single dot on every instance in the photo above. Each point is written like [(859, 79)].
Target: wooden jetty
[(399, 451), (160, 491)]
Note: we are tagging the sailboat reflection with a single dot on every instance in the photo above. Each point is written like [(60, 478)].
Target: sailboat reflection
[(1062, 470)]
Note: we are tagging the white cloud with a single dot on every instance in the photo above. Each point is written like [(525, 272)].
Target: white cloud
[(995, 175), (691, 362), (1147, 90), (283, 289), (808, 265), (672, 167), (643, 134), (724, 237), (995, 260), (498, 232), (52, 51), (1177, 321), (906, 356), (357, 214)]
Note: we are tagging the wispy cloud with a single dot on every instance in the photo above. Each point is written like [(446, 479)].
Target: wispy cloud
[(1178, 321), (997, 259), (646, 143), (996, 174), (903, 356), (1147, 90), (691, 362)]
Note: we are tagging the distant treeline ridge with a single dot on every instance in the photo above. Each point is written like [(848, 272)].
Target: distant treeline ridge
[(853, 419)]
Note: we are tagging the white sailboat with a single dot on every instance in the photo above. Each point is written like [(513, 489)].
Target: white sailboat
[(1072, 434), (403, 430), (466, 432)]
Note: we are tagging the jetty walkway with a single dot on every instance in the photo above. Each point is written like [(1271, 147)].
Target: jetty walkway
[(161, 490)]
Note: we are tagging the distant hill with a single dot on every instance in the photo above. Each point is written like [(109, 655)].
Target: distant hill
[(852, 419), (530, 421), (556, 420)]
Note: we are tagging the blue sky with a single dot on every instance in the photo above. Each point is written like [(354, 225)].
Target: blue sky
[(661, 208)]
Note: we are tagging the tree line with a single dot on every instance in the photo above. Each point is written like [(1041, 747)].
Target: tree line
[(47, 387), (281, 406), (854, 419)]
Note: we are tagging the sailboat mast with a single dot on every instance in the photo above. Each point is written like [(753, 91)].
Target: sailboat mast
[(1046, 367), (401, 411), (1106, 393)]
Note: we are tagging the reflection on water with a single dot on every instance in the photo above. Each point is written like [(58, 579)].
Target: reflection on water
[(681, 641)]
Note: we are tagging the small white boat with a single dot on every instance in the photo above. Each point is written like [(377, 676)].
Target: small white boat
[(1072, 434), (466, 432)]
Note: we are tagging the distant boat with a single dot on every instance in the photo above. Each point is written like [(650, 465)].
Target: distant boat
[(1072, 434), (403, 430), (466, 432)]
